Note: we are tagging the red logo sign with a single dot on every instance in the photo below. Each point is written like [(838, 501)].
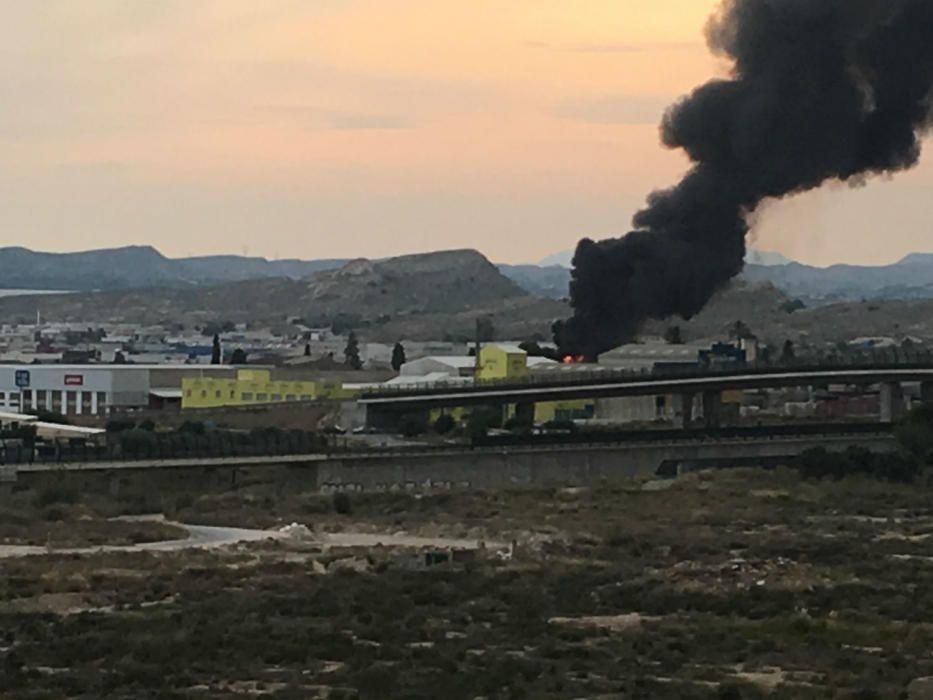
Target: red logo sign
[(74, 380)]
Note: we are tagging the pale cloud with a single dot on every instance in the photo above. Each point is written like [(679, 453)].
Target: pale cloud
[(358, 120), (615, 109), (620, 46)]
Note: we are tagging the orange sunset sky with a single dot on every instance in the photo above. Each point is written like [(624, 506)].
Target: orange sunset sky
[(341, 128)]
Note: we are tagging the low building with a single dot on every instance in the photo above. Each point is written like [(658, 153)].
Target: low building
[(91, 390), (73, 389), (646, 357), (498, 362), (256, 386), (463, 366), (635, 409)]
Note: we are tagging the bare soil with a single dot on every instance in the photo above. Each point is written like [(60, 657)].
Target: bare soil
[(740, 584)]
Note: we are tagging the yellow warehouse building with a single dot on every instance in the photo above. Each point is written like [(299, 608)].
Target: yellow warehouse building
[(508, 362), (255, 386)]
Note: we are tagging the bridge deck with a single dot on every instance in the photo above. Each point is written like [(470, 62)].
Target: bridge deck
[(628, 385)]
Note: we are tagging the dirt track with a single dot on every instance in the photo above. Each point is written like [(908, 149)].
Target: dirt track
[(206, 537)]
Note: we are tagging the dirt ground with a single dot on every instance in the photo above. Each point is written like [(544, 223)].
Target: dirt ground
[(64, 523), (743, 584)]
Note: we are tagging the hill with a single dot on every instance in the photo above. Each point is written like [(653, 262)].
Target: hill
[(766, 310), (413, 291), (137, 267), (552, 281), (912, 278), (551, 277)]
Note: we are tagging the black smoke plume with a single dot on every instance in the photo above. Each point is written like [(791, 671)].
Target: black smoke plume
[(820, 90)]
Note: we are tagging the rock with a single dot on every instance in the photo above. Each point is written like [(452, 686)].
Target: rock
[(921, 689), (356, 564), (658, 485), (297, 531)]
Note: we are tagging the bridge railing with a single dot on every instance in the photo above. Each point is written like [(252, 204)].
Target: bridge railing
[(208, 446), (64, 453), (893, 359)]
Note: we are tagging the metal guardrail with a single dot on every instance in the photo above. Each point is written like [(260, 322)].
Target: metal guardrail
[(193, 447), (698, 435), (877, 361), (65, 454)]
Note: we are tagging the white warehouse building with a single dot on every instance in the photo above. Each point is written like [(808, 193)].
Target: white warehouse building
[(76, 390), (73, 389)]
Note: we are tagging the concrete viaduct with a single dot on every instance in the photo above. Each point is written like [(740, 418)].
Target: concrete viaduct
[(383, 409)]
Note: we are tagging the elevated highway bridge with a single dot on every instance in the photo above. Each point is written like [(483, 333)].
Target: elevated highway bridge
[(383, 408)]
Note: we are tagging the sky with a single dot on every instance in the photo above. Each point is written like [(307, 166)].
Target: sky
[(346, 128)]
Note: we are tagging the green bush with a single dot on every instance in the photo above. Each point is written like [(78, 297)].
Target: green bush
[(342, 503), (444, 424), (118, 425), (411, 427), (55, 493), (483, 419), (915, 433), (818, 463), (137, 442)]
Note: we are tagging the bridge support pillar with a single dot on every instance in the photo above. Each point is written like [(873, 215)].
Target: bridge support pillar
[(712, 409), (525, 414), (683, 410), (892, 402)]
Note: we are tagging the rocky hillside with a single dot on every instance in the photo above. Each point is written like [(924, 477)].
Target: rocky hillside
[(442, 294), (768, 312), (370, 293), (444, 282)]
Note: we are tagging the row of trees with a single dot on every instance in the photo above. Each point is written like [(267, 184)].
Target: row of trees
[(351, 354), (914, 435), (238, 357)]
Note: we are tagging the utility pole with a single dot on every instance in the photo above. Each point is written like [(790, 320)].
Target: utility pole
[(476, 364)]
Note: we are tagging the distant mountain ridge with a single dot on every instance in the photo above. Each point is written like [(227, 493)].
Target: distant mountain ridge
[(443, 295), (133, 267), (137, 267), (564, 258), (910, 278), (551, 276)]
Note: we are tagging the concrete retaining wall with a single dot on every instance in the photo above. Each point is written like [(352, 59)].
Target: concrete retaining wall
[(153, 484), (490, 469)]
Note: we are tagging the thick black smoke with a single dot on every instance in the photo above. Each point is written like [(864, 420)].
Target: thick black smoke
[(821, 90)]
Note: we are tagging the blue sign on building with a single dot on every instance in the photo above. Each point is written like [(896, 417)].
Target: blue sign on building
[(22, 378)]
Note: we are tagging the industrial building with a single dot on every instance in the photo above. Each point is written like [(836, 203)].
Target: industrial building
[(496, 362), (93, 390), (256, 386), (453, 366)]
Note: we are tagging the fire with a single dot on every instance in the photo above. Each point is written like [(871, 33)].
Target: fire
[(574, 359)]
